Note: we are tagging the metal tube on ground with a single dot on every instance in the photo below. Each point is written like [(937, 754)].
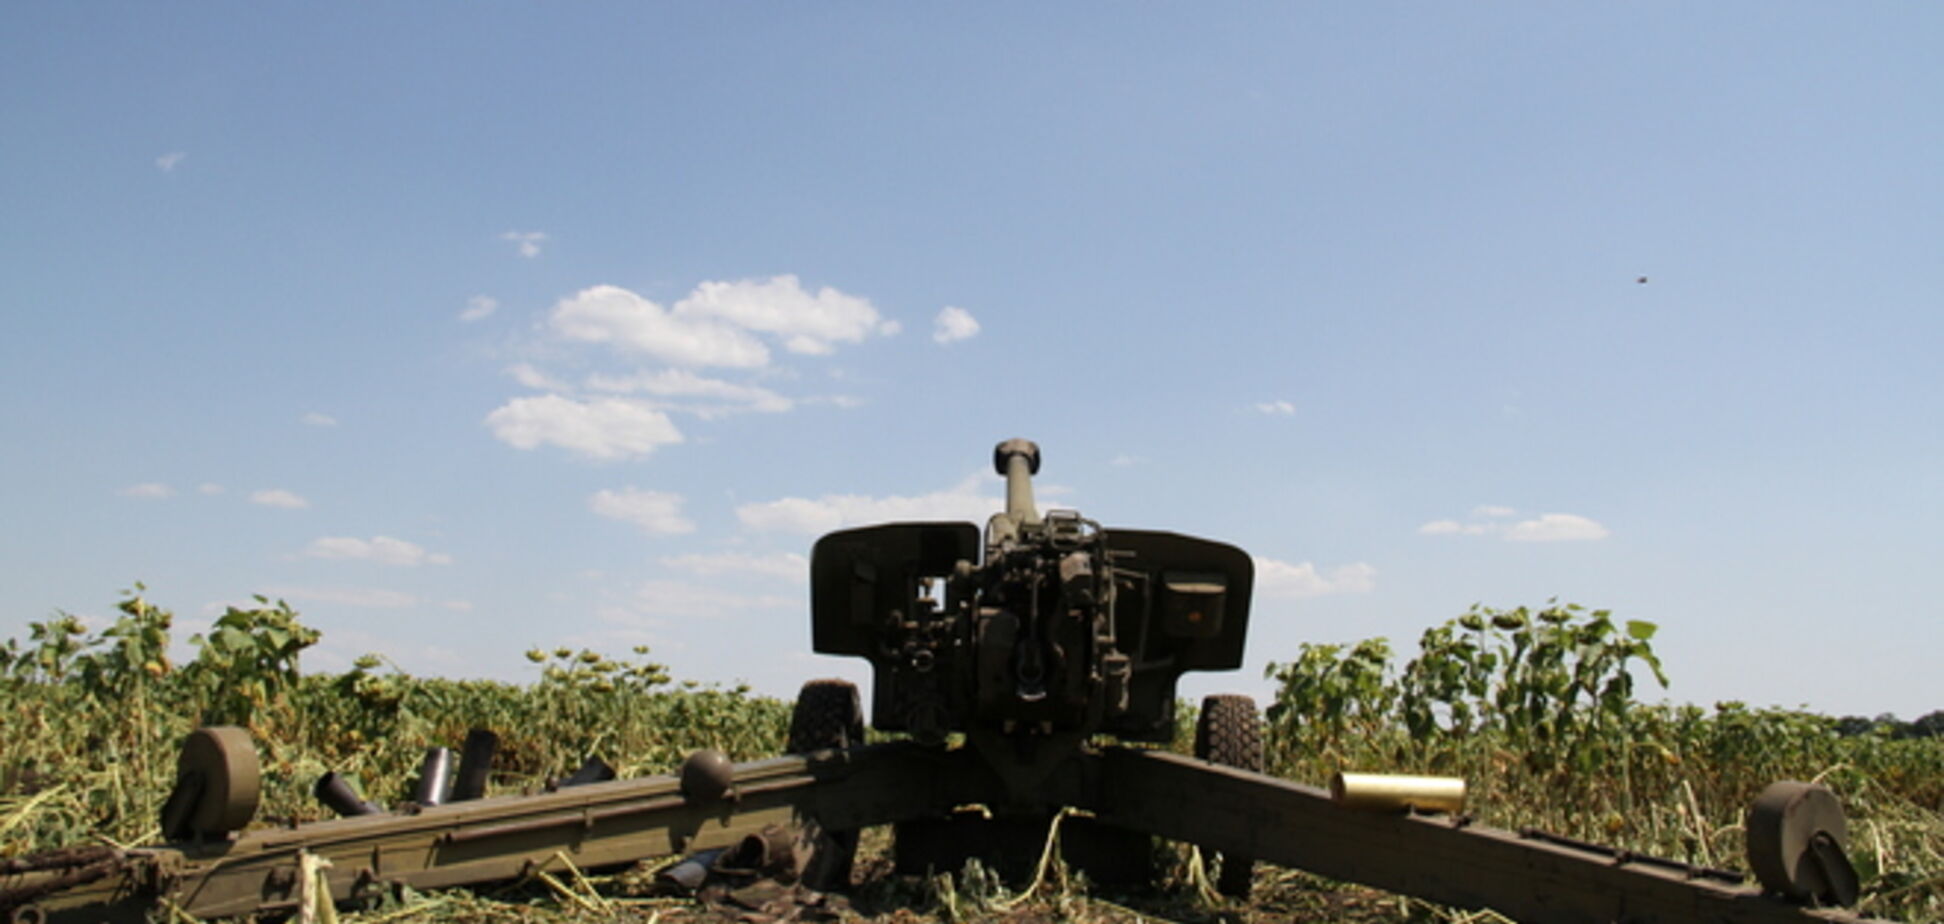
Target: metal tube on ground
[(688, 875), (335, 791), (595, 770), (435, 772), (475, 762)]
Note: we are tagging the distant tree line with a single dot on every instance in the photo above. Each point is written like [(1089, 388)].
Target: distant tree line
[(1929, 725)]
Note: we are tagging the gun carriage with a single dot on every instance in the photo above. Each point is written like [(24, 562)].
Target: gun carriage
[(1025, 667)]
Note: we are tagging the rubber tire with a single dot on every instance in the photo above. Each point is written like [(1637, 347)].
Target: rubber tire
[(828, 715), (1229, 732)]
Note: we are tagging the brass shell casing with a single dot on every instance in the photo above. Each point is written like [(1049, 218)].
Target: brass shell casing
[(1386, 792)]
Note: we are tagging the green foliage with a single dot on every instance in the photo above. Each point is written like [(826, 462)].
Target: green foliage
[(94, 719), (1536, 709), (1333, 692), (1556, 685), (246, 666), (55, 644)]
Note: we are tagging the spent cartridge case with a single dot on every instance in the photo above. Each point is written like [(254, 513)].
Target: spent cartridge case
[(1388, 792)]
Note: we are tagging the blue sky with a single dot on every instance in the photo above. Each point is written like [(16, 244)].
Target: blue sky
[(467, 327)]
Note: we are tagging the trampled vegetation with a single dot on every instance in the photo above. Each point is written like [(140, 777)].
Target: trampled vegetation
[(1535, 708)]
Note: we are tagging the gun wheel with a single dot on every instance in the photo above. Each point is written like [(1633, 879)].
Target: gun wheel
[(218, 783), (1229, 732), (1796, 835), (828, 715)]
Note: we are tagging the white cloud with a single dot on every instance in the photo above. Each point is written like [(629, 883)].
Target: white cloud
[(278, 497), (148, 490), (209, 488), (528, 242), (526, 374), (1282, 579), (694, 602), (1275, 408), (382, 549), (620, 413), (653, 511), (606, 428), (315, 419), (807, 323), (1124, 460), (613, 315), (167, 162), (1492, 510), (787, 566), (1556, 527), (719, 397), (835, 511), (479, 308), (717, 324), (371, 597), (954, 324)]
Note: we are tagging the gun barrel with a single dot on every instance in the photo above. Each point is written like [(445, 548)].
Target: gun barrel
[(1018, 460)]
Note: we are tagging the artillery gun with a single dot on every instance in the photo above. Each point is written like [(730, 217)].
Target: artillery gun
[(1024, 667)]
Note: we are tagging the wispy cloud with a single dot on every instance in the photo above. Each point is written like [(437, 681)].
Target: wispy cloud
[(788, 566), (1275, 408), (601, 428), (278, 497), (167, 162), (1452, 528), (691, 393), (1495, 520), (813, 516), (954, 324), (681, 600), (148, 490), (479, 308), (657, 512), (362, 597), (1556, 527), (209, 488), (381, 549), (528, 242), (1302, 579), (530, 376), (316, 419)]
